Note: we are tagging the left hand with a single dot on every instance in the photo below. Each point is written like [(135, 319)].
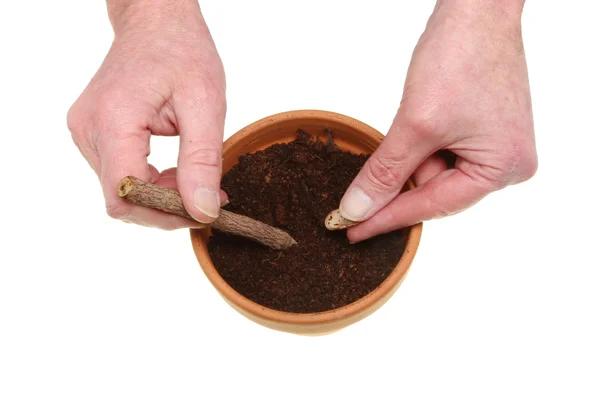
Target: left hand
[(162, 76)]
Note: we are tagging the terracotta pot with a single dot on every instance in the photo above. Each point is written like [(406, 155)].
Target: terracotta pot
[(351, 135)]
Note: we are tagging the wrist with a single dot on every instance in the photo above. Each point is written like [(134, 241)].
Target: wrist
[(506, 13), (131, 15)]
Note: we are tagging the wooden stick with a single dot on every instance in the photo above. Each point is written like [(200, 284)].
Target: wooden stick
[(168, 200), (335, 221)]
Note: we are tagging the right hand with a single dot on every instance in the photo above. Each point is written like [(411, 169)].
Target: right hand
[(162, 76), (466, 92)]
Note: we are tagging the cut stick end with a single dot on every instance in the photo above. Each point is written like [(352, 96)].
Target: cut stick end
[(335, 221), (125, 187)]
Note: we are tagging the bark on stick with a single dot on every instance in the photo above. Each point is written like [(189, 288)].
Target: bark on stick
[(168, 200)]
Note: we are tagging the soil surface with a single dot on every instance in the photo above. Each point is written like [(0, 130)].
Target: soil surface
[(293, 187)]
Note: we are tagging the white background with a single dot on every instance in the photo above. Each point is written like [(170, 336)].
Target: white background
[(503, 300)]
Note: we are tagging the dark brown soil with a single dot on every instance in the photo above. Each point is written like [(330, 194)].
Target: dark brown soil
[(294, 186)]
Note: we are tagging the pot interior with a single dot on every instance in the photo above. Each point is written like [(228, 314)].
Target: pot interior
[(348, 138)]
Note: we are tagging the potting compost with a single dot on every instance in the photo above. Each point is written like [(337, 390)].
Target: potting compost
[(294, 186)]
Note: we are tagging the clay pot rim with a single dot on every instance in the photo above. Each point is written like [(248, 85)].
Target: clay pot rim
[(314, 318)]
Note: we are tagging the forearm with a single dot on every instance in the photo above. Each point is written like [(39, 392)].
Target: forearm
[(151, 13)]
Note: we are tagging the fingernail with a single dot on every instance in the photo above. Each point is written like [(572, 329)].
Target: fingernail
[(207, 201), (351, 242), (223, 198), (355, 205)]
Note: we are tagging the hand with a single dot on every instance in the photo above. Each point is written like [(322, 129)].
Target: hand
[(467, 92), (162, 76)]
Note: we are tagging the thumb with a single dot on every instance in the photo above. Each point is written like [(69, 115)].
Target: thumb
[(384, 174), (200, 124)]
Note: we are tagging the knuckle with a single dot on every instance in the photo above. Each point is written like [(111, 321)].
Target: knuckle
[(434, 209), (385, 172), (528, 160), (420, 121), (204, 89), (169, 227), (200, 158), (429, 206), (529, 167), (73, 120), (389, 217), (441, 212), (117, 211), (520, 161), (78, 120)]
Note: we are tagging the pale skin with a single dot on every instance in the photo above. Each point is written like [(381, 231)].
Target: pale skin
[(466, 92)]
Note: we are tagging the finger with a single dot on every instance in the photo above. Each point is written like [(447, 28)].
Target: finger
[(200, 118), (431, 167), (124, 155), (169, 173), (168, 179), (383, 175), (447, 193), (157, 219), (154, 173)]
